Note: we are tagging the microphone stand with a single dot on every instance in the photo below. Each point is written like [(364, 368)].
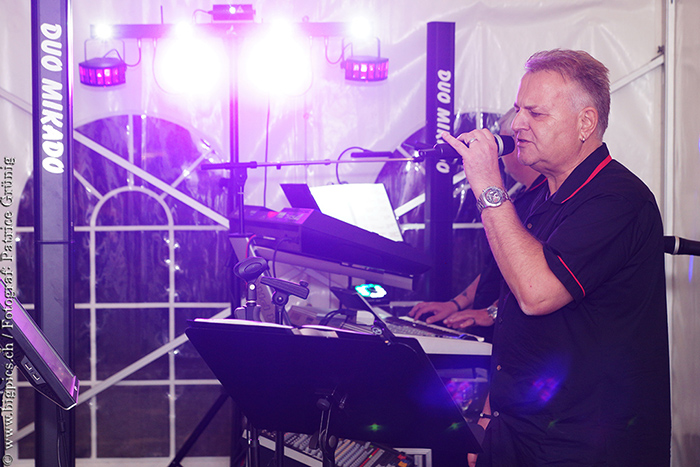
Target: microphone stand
[(282, 290), (280, 164), (249, 270)]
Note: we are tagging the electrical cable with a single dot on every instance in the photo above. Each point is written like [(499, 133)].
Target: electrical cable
[(274, 254), (153, 71), (337, 174), (343, 47), (249, 246)]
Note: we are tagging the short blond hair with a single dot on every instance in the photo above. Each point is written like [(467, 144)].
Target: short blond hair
[(584, 70)]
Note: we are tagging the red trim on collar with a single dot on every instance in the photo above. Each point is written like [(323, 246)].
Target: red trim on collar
[(572, 275), (544, 179), (602, 164)]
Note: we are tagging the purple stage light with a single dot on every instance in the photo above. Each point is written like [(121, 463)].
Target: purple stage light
[(102, 72), (360, 68)]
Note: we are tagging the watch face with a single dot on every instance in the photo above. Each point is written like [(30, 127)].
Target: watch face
[(491, 197), (492, 311), (494, 196)]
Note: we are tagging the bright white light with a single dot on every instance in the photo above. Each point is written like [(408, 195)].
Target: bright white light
[(360, 28), (279, 61), (104, 31), (183, 30), (187, 63)]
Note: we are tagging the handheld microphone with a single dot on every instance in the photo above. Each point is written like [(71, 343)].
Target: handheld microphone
[(681, 246), (506, 145)]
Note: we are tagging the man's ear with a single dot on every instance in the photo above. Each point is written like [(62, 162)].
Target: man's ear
[(588, 122)]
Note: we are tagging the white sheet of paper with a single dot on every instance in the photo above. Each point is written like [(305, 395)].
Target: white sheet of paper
[(365, 205)]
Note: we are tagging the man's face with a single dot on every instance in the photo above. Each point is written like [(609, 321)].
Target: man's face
[(547, 124)]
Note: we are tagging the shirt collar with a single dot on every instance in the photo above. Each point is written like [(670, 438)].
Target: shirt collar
[(582, 174), (539, 181), (521, 191)]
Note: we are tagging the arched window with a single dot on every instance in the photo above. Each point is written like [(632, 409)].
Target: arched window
[(152, 251)]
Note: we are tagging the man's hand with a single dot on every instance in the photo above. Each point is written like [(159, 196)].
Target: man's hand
[(465, 318), (479, 156), (439, 310)]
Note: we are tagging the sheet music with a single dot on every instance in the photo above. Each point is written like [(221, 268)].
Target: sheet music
[(242, 322), (365, 205), (304, 330)]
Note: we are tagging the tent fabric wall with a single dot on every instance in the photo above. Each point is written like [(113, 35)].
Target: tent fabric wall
[(494, 38), (493, 41), (683, 283)]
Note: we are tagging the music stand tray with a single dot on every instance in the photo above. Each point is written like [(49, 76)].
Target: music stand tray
[(385, 392)]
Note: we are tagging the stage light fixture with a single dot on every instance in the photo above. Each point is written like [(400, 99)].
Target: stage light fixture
[(362, 68), (366, 68), (277, 61), (103, 71), (109, 69), (104, 32), (233, 12), (360, 28), (188, 62)]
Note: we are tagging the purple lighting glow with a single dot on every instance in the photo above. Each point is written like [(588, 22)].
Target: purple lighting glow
[(545, 388), (278, 61), (189, 63), (360, 68), (102, 71)]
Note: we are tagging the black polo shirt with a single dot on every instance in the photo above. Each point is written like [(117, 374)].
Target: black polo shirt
[(489, 287), (589, 382)]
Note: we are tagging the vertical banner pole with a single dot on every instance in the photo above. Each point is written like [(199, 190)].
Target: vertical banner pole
[(439, 117), (52, 104)]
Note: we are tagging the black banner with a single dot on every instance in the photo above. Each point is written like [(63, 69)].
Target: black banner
[(439, 117), (53, 227)]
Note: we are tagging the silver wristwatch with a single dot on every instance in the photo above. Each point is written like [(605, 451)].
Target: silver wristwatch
[(491, 197), (492, 311)]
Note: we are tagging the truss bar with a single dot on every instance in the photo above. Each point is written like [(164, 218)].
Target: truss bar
[(106, 153), (88, 186), (137, 306), (16, 101), (157, 31), (150, 228), (625, 80), (410, 205)]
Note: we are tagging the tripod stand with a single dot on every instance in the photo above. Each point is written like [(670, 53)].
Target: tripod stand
[(249, 270)]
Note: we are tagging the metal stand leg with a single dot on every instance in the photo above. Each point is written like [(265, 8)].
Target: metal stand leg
[(201, 426), (327, 442)]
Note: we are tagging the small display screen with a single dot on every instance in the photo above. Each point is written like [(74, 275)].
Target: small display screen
[(35, 356), (371, 291)]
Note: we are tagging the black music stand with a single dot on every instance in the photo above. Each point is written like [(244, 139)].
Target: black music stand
[(357, 386)]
